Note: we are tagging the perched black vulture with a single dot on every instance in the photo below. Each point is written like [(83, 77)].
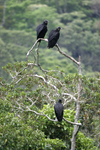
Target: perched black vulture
[(59, 110), (53, 37), (42, 29)]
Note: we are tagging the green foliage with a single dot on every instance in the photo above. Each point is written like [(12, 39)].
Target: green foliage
[(17, 38), (15, 134), (83, 142), (91, 107), (52, 144), (56, 129), (54, 61), (63, 130), (30, 16), (15, 99), (80, 35), (82, 41), (4, 57)]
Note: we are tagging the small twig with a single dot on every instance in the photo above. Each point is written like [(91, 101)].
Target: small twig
[(19, 80), (21, 71), (56, 80), (33, 102), (67, 101), (72, 97)]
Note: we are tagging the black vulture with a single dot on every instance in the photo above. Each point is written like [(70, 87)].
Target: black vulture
[(53, 37), (42, 29), (59, 110)]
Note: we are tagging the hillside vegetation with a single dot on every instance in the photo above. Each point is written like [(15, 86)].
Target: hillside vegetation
[(33, 80), (80, 34)]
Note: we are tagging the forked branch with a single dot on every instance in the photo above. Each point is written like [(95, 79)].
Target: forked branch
[(71, 58)]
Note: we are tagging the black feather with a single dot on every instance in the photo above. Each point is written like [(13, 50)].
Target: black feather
[(42, 29), (53, 37), (59, 110)]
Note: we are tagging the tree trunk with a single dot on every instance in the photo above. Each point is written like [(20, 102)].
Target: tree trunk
[(58, 7), (4, 10), (76, 127)]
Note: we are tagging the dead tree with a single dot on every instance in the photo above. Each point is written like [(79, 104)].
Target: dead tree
[(75, 123), (19, 106)]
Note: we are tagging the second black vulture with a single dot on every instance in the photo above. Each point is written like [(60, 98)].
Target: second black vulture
[(59, 110), (42, 29), (53, 37)]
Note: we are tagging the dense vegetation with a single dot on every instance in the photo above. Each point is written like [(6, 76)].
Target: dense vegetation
[(27, 99), (26, 93)]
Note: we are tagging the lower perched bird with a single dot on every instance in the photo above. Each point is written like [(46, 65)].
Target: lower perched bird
[(42, 29), (59, 110), (53, 37)]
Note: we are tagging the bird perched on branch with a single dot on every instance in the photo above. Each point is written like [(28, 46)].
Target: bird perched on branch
[(42, 29), (53, 37), (59, 110)]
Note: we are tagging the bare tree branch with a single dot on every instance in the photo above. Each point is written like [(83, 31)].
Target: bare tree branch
[(73, 123), (66, 55), (45, 81), (28, 109), (72, 97), (79, 124), (19, 80), (35, 45), (71, 58)]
